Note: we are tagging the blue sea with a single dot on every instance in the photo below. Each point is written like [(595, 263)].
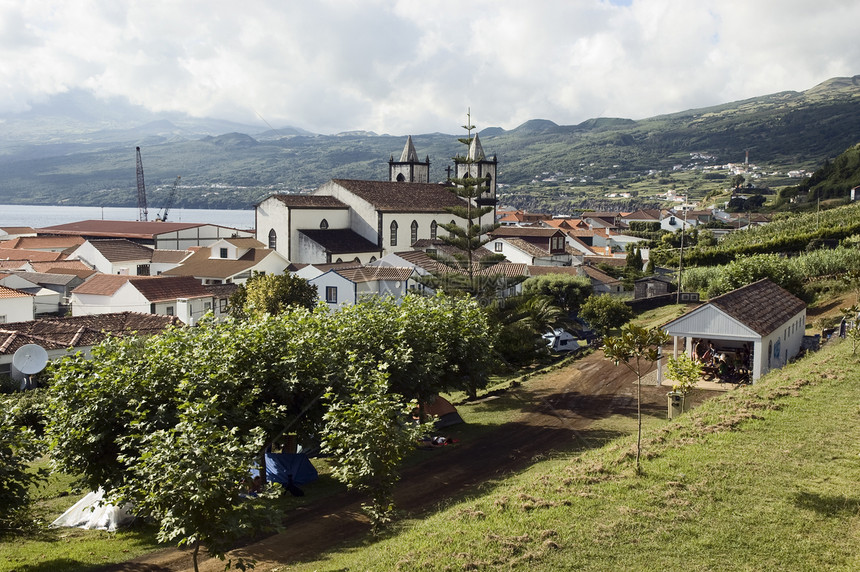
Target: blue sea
[(42, 216)]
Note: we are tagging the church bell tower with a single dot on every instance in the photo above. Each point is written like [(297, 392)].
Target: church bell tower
[(409, 169)]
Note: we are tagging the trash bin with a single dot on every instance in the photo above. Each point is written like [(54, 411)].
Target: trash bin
[(675, 403)]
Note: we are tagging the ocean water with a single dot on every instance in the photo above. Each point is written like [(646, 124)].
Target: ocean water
[(42, 216)]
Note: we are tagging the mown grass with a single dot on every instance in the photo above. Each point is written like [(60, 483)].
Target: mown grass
[(762, 478)]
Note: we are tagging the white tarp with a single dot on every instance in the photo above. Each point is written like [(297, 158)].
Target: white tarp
[(92, 512)]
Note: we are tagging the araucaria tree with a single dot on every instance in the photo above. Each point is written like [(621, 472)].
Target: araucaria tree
[(471, 188), (637, 348)]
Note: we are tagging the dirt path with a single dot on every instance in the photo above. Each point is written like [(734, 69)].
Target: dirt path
[(557, 408)]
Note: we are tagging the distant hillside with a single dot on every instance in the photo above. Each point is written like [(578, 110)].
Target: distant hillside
[(230, 165)]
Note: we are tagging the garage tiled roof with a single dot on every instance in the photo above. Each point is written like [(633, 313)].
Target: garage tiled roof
[(761, 306)]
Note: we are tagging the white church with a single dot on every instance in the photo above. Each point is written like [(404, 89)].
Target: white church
[(362, 221)]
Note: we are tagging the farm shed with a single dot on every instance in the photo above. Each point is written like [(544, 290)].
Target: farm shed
[(762, 317)]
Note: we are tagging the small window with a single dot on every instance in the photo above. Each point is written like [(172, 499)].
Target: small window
[(207, 306), (400, 177), (323, 224), (394, 233), (143, 269), (433, 227), (498, 247), (331, 294), (2, 318), (414, 232), (273, 240), (169, 310), (222, 305), (372, 259), (223, 253)]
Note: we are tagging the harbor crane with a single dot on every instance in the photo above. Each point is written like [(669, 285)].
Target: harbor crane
[(141, 189), (171, 198)]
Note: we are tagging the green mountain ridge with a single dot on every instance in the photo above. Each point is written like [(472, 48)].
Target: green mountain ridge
[(236, 169)]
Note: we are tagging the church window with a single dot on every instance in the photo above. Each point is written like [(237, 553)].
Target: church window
[(414, 232), (394, 233), (400, 177), (433, 226), (323, 224), (453, 223), (273, 239)]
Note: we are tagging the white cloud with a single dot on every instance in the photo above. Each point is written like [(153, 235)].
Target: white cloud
[(403, 66)]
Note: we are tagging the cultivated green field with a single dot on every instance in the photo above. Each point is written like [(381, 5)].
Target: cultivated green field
[(762, 478)]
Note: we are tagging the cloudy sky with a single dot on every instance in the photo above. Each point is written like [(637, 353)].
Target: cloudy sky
[(409, 67)]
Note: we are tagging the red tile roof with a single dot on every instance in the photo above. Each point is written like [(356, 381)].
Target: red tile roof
[(166, 288), (310, 201), (42, 242), (403, 197), (117, 228), (12, 293), (77, 331)]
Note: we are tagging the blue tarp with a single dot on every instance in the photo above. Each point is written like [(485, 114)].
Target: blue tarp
[(280, 466)]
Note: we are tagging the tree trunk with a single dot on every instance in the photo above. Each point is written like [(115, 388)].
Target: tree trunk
[(194, 555)]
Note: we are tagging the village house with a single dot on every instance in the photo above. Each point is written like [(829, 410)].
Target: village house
[(761, 318), (16, 306), (230, 260), (343, 286), (533, 246), (181, 296)]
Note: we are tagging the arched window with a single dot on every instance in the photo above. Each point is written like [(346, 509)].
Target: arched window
[(394, 233), (400, 177), (372, 259), (433, 226), (323, 224), (414, 232), (453, 223), (273, 239)]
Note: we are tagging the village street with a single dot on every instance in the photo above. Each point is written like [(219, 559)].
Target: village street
[(557, 410)]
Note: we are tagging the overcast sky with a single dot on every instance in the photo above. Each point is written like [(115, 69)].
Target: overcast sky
[(409, 67)]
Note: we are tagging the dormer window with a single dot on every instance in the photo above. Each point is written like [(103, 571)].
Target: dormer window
[(223, 253)]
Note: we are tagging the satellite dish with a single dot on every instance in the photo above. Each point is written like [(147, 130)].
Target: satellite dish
[(30, 359)]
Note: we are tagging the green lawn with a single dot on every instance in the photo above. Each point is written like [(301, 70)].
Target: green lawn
[(762, 478)]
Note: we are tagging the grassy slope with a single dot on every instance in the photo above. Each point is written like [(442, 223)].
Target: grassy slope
[(763, 478)]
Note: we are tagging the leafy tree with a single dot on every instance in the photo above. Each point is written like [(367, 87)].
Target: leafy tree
[(637, 348), (272, 294), (368, 437), (685, 372), (568, 292), (200, 507), (738, 181), (605, 312), (18, 447), (175, 420)]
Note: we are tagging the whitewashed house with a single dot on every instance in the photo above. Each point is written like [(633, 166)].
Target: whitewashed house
[(181, 296), (339, 287), (768, 319), (230, 260), (16, 306)]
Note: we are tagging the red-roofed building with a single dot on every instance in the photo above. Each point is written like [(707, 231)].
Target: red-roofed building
[(159, 235), (16, 306), (181, 296)]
